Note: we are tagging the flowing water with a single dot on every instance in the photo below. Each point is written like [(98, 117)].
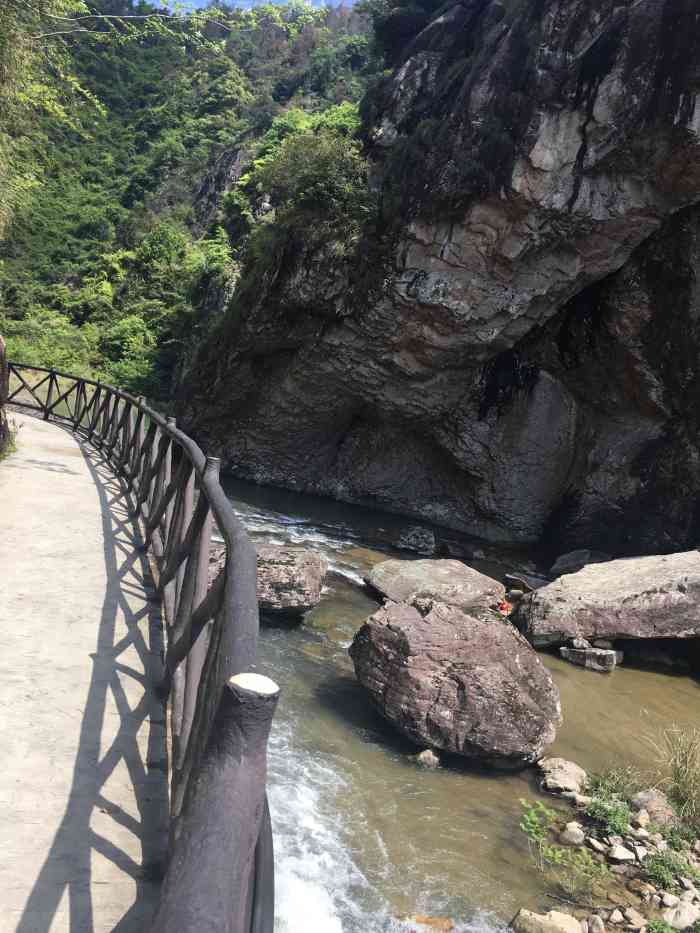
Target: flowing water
[(364, 837)]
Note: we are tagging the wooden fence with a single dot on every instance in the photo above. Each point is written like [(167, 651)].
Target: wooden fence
[(220, 875)]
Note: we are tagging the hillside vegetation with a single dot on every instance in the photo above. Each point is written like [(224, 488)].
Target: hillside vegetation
[(147, 161)]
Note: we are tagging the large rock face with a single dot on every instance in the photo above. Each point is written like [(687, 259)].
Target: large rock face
[(645, 597), (524, 358), (467, 686)]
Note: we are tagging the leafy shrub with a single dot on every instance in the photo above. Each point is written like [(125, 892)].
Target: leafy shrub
[(316, 172), (572, 871), (663, 868), (660, 926), (612, 812), (678, 836)]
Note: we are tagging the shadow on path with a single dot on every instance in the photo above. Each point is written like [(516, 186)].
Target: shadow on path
[(129, 623)]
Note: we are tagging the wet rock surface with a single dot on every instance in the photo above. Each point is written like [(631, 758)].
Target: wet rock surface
[(636, 598), (463, 685)]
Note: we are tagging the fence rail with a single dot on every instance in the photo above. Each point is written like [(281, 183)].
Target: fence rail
[(220, 876), (4, 377)]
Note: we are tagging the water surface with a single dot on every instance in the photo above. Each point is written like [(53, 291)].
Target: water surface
[(363, 835)]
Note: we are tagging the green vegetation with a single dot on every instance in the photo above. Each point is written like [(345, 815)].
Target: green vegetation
[(678, 771), (620, 783), (612, 812), (611, 791), (572, 871), (664, 868), (660, 926), (163, 161)]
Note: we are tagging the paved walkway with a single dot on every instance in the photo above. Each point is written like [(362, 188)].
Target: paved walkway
[(83, 801)]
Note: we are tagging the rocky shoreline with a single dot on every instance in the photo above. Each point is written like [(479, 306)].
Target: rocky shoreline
[(647, 873), (451, 660)]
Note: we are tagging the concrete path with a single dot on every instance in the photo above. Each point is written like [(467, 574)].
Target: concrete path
[(83, 799)]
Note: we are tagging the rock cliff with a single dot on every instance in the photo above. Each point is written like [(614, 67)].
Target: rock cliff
[(513, 350)]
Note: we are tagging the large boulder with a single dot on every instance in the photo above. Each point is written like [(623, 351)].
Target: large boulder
[(641, 597), (467, 686), (290, 579), (444, 581)]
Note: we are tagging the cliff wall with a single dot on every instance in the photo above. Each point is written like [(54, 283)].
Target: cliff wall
[(512, 349)]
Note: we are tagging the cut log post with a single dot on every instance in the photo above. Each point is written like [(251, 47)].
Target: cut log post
[(208, 885)]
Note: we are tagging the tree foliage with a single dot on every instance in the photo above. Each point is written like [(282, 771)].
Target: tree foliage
[(114, 119)]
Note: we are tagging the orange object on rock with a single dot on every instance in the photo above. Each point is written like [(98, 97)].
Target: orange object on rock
[(435, 923)]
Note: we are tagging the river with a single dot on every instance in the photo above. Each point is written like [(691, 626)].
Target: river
[(364, 837)]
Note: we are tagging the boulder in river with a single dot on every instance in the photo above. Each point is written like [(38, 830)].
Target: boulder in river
[(467, 686), (638, 597), (560, 776), (290, 578), (420, 540), (602, 660), (577, 560), (552, 922), (445, 581)]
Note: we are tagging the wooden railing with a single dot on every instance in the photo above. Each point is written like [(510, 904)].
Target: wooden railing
[(220, 874), (4, 378)]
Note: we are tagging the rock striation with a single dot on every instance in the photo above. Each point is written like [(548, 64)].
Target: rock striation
[(633, 598), (468, 686), (514, 349)]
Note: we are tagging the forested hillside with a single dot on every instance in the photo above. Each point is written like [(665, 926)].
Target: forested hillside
[(142, 157)]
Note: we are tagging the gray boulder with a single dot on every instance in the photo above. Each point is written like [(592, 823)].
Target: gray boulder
[(657, 806), (420, 540), (594, 659), (290, 579), (467, 686), (682, 917), (552, 922), (445, 581), (638, 597), (560, 776), (577, 560)]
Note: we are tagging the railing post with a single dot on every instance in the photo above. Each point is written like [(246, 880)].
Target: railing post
[(167, 477), (49, 398), (140, 435), (213, 860), (198, 650)]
